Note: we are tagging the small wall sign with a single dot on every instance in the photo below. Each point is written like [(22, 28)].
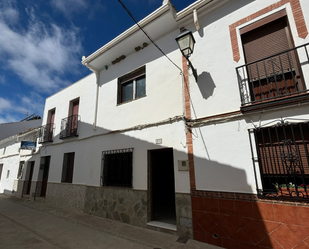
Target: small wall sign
[(159, 141)]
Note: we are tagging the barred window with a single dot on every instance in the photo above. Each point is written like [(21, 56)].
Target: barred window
[(117, 168), (283, 158)]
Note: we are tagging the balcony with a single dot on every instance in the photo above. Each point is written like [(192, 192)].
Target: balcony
[(46, 133), (275, 79), (69, 126)]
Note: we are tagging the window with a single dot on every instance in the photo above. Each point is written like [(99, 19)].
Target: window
[(21, 169), (117, 168), (132, 86), (283, 158), (272, 67), (8, 174), (67, 169)]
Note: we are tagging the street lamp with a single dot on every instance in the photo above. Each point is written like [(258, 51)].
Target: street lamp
[(186, 41)]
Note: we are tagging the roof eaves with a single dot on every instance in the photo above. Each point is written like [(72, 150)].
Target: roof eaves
[(158, 12)]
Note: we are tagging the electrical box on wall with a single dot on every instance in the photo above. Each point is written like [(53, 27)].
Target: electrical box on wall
[(183, 165)]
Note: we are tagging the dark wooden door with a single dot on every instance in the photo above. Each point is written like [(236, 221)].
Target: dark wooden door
[(45, 176), (30, 178), (1, 167), (74, 116)]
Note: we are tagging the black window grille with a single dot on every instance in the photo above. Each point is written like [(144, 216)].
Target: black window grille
[(117, 168), (283, 158)]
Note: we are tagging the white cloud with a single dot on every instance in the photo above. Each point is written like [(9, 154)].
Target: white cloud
[(4, 105), (40, 54), (11, 111), (68, 7), (8, 11)]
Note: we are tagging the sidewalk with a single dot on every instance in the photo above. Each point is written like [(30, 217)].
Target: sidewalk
[(28, 224)]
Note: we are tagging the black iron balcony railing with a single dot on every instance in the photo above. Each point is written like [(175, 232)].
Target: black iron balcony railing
[(282, 155), (273, 77), (69, 126), (46, 133)]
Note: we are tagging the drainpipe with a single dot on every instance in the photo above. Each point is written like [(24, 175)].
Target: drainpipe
[(195, 18), (97, 73)]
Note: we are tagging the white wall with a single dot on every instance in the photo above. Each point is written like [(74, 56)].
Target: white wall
[(217, 90), (163, 88), (88, 155), (83, 89), (222, 149)]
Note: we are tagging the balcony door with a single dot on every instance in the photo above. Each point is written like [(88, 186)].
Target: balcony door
[(272, 72), (73, 118), (50, 125)]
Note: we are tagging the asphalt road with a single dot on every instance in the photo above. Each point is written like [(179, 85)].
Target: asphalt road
[(28, 224)]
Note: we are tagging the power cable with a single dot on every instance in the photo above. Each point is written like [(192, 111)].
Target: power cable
[(148, 35)]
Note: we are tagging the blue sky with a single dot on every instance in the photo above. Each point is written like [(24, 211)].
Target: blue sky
[(42, 43)]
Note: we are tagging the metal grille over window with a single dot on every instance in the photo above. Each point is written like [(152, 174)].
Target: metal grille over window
[(117, 168), (282, 155)]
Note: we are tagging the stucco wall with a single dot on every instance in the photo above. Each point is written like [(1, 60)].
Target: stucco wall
[(216, 91), (9, 164), (88, 155)]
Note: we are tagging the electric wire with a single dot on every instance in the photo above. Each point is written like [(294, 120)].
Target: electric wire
[(181, 72), (126, 9)]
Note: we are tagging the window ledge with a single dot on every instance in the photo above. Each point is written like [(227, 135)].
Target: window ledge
[(131, 100), (275, 103)]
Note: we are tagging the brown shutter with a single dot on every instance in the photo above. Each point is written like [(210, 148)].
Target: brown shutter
[(265, 41), (273, 75), (75, 107)]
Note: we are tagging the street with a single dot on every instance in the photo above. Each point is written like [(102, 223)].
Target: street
[(28, 224)]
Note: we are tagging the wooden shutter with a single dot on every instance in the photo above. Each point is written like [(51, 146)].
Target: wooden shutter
[(265, 41), (75, 106)]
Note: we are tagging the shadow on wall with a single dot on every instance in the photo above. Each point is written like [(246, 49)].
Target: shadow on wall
[(218, 218), (206, 85)]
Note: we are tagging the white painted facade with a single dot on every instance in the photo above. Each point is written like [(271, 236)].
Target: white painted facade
[(222, 151), (11, 155), (215, 93), (223, 161)]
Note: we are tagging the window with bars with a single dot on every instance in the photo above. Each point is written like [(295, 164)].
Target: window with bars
[(132, 86), (67, 169), (117, 168), (283, 158)]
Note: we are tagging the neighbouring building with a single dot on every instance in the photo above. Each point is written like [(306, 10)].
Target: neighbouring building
[(13, 128), (17, 159), (223, 159)]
